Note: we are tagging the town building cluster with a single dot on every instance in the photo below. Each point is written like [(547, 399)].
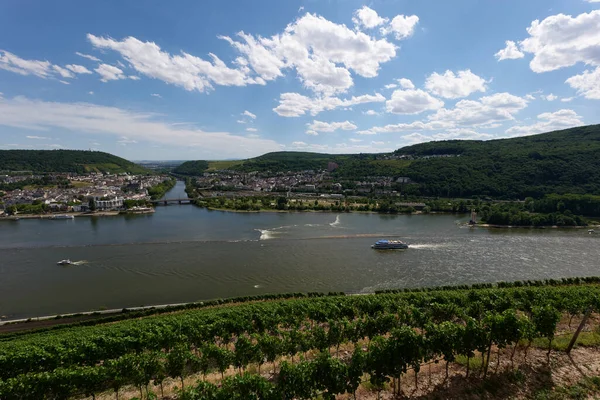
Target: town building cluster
[(108, 191)]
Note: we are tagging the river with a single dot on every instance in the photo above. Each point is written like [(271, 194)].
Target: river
[(183, 253)]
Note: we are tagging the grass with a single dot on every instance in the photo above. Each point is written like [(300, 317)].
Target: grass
[(587, 387), (220, 165), (474, 362), (560, 343), (78, 184)]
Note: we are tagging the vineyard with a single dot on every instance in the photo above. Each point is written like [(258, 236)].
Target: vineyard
[(298, 339)]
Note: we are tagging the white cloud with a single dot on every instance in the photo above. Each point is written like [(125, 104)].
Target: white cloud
[(413, 126), (249, 114), (587, 84), (312, 133), (134, 78), (253, 135), (353, 140), (406, 83), (562, 41), (567, 99), (124, 141), (490, 109), (156, 95), (252, 129), (295, 104), (241, 121), (370, 112), (37, 137), (322, 52), (550, 97), (109, 73), (90, 92), (401, 26), (65, 73), (89, 57), (451, 86), (377, 143), (368, 18), (339, 148), (412, 102), (320, 126), (86, 118), (530, 97), (510, 52), (391, 86), (185, 70), (64, 82), (13, 63), (561, 119), (78, 69)]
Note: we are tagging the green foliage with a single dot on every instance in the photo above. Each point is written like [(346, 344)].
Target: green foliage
[(404, 329), (158, 191), (557, 162), (191, 168), (76, 161)]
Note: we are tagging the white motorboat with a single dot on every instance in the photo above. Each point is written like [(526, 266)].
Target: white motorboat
[(62, 217), (590, 231), (65, 262)]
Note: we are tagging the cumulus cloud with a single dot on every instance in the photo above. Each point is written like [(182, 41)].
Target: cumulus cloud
[(510, 52), (587, 84), (561, 41), (340, 148), (37, 137), (454, 86), (320, 126), (487, 110), (353, 140), (402, 26), (368, 18), (295, 104), (550, 97), (391, 86), (185, 70), (406, 83), (21, 66), (109, 73), (561, 119), (370, 112), (87, 118), (249, 114), (322, 52), (65, 73), (413, 126), (567, 99), (251, 129), (89, 57), (78, 69), (156, 95), (124, 141), (412, 102)]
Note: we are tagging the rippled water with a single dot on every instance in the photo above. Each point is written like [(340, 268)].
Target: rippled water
[(183, 253)]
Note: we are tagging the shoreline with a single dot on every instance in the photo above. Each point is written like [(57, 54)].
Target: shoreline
[(74, 214), (530, 226)]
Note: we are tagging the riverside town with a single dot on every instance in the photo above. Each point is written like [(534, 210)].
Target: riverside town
[(300, 200)]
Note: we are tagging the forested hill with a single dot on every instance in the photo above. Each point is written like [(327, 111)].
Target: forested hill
[(78, 161), (566, 161)]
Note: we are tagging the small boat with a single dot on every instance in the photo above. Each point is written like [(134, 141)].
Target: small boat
[(590, 231), (62, 217), (384, 244), (64, 262)]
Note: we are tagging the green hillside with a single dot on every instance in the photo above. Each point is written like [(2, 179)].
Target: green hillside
[(191, 168), (77, 161), (566, 161)]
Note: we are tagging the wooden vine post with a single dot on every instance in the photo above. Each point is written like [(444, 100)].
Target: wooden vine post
[(579, 328)]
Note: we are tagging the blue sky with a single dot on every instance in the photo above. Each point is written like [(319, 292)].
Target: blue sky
[(235, 79)]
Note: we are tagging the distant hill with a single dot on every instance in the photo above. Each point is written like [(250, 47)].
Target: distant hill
[(191, 168), (566, 161), (76, 161)]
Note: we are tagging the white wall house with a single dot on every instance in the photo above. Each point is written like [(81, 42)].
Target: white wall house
[(110, 204)]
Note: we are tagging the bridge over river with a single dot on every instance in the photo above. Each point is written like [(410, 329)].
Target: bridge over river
[(165, 202)]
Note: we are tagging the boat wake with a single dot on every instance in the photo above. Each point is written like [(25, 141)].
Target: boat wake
[(428, 246), (80, 262), (336, 222)]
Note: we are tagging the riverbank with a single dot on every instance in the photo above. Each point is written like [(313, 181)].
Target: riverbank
[(531, 226)]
